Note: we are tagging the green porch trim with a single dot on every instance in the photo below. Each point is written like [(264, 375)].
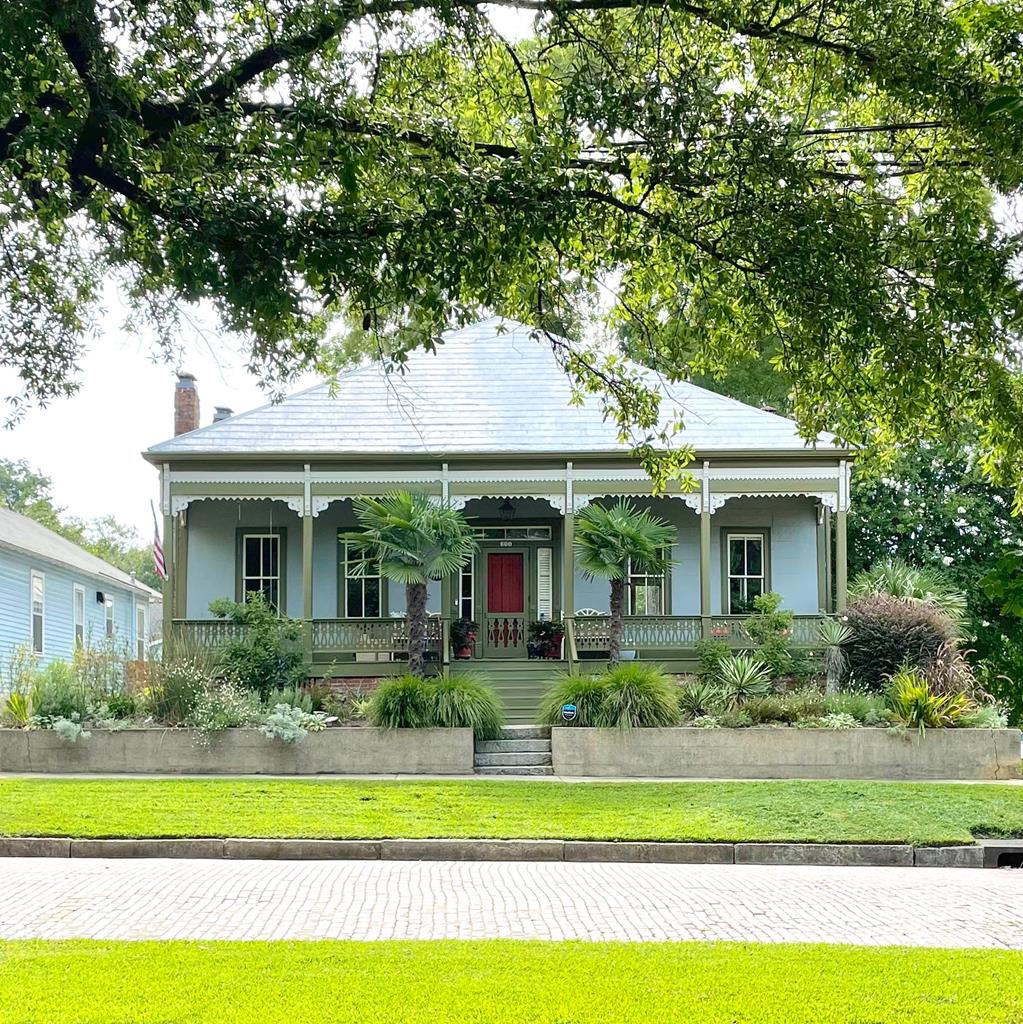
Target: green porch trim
[(841, 561), (705, 582), (227, 490), (180, 609), (822, 547), (307, 584)]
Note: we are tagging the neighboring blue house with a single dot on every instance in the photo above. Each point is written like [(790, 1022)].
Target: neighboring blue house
[(54, 595)]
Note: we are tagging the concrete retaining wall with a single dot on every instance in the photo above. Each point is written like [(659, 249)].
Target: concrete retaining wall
[(766, 753), (362, 751)]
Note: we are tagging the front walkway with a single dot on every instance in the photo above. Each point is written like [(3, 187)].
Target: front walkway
[(184, 899)]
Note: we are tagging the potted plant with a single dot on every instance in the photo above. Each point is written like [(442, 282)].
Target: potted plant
[(545, 638), (463, 637)]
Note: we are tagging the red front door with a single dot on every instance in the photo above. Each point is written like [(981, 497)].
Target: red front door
[(505, 593)]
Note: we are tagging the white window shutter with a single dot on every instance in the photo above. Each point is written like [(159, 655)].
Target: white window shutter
[(544, 584)]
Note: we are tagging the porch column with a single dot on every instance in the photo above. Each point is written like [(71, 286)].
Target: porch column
[(705, 616), (568, 570), (823, 539), (170, 582), (307, 568), (181, 565), (841, 541)]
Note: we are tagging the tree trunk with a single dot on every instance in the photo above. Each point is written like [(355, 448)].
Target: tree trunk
[(415, 623), (614, 647)]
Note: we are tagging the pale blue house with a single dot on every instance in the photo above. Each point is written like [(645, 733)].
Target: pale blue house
[(55, 596)]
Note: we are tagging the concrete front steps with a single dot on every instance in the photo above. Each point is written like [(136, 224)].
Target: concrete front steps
[(520, 684), (519, 750)]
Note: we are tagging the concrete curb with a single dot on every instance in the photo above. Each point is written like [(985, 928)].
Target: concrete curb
[(525, 850)]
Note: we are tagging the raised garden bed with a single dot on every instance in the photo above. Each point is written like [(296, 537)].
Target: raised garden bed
[(343, 751), (781, 753)]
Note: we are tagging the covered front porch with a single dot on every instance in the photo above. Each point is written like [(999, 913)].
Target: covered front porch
[(740, 530)]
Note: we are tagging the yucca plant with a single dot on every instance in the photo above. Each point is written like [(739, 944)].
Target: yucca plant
[(413, 541), (608, 541), (635, 694), (909, 582), (586, 693), (698, 697), (743, 677), (911, 699), (404, 702), (832, 634), (467, 701)]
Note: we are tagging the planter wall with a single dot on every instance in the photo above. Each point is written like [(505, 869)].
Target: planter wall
[(765, 753), (361, 751)]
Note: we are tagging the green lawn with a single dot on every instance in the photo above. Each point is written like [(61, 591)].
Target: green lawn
[(919, 813), (507, 981)]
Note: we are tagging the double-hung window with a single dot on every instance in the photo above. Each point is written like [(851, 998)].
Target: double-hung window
[(362, 587), (141, 631), (108, 612), (78, 613), (38, 608), (647, 593), (262, 566), (747, 570)]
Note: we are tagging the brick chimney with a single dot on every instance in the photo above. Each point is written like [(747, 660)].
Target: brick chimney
[(186, 405)]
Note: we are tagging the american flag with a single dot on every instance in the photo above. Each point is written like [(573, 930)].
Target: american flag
[(158, 559)]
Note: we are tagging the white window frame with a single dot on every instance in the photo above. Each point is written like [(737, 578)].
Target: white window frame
[(646, 580), (745, 536), (34, 576), (141, 630), (78, 622), (467, 601), (262, 577), (109, 625), (361, 578)]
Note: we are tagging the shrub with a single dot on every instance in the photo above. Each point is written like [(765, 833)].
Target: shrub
[(467, 701), (984, 716), (175, 690), (224, 705), (269, 654), (585, 692), (706, 722), (710, 654), (891, 632), (896, 578), (743, 677), (638, 695), (69, 730), (915, 706), (404, 702), (734, 719), (58, 693), (120, 706), (867, 708), (18, 710), (698, 698), (785, 708), (289, 724)]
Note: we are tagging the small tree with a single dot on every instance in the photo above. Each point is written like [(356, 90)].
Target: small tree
[(414, 541), (608, 541)]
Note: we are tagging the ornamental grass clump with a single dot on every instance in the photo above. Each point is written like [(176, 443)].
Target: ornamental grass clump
[(467, 701), (402, 703), (585, 693)]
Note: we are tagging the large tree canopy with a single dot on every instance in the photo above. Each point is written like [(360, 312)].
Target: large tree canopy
[(813, 176)]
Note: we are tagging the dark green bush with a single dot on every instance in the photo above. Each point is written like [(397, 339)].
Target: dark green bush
[(269, 655), (467, 701), (785, 708), (770, 630), (121, 705), (710, 653), (890, 633), (404, 702)]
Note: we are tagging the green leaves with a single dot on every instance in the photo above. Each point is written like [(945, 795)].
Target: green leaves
[(608, 540)]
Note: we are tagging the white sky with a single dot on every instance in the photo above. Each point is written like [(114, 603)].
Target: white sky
[(90, 444)]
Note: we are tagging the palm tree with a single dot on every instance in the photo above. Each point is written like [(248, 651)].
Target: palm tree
[(610, 542), (413, 540)]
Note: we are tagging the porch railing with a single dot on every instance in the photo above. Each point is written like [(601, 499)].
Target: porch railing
[(641, 632)]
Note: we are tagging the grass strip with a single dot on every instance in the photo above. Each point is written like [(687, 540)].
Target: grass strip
[(495, 982), (841, 812)]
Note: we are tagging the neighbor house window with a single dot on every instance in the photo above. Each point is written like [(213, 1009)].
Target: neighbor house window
[(747, 571), (465, 591), (141, 631), (38, 593), (362, 587), (261, 569), (647, 593), (78, 613), (108, 609)]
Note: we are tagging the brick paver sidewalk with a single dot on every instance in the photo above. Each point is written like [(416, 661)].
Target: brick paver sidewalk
[(184, 899)]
